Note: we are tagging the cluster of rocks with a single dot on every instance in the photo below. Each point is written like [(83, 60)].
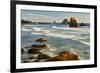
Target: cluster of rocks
[(72, 22), (41, 57)]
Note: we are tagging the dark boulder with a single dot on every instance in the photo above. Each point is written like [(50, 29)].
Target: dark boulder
[(34, 51), (43, 56)]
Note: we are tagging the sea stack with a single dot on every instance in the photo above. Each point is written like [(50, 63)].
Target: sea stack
[(73, 22), (65, 21)]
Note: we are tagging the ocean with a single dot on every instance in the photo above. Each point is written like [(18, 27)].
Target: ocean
[(60, 37)]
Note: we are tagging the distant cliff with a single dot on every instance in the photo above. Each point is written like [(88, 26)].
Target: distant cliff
[(25, 22)]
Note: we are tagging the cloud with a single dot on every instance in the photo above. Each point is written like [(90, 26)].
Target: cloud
[(38, 17), (43, 16)]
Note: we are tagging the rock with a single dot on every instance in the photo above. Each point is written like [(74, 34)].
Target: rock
[(85, 52), (34, 51), (39, 46), (22, 50), (44, 46), (73, 22), (82, 24), (31, 57), (65, 56), (43, 56), (65, 21), (40, 40)]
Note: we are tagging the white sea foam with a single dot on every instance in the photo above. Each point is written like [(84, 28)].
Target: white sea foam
[(24, 29), (72, 37), (37, 33), (36, 29)]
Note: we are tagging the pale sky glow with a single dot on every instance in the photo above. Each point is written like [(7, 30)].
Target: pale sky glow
[(51, 16)]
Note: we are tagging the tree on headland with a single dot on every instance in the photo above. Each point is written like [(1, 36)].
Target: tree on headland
[(73, 22)]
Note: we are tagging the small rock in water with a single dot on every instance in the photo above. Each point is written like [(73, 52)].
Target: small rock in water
[(40, 40)]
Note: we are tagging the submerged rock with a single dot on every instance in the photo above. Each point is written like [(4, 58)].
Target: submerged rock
[(73, 22), (40, 40), (43, 56)]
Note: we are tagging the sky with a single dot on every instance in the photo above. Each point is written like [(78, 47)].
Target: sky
[(51, 16)]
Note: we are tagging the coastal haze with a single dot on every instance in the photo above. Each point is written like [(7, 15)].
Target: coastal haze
[(54, 36)]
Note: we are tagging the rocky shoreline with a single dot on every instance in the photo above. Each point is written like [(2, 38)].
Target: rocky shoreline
[(36, 54)]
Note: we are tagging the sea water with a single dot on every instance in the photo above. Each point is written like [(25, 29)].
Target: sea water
[(60, 37)]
